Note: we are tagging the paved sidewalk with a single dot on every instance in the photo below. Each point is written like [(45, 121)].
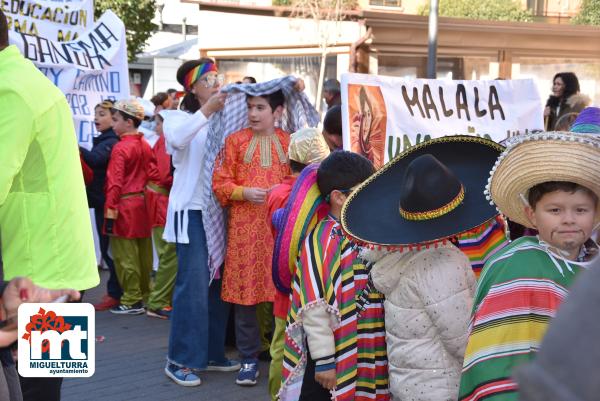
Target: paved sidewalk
[(130, 365)]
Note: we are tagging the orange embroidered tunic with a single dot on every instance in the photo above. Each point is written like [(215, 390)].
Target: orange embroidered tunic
[(249, 160)]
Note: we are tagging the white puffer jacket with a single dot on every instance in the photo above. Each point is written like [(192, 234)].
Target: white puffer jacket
[(429, 294)]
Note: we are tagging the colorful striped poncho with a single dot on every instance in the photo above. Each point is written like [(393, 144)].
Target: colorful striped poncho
[(480, 246), (519, 291), (330, 273)]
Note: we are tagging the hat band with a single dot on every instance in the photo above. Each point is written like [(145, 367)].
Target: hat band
[(196, 72), (439, 212)]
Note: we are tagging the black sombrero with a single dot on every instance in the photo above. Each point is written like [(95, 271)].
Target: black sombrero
[(429, 193)]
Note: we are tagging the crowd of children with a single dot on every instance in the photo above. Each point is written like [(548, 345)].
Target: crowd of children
[(368, 280)]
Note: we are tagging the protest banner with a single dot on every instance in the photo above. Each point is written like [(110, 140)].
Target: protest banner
[(60, 20), (88, 70), (383, 116)]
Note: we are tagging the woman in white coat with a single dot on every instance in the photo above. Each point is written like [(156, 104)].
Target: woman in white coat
[(424, 198)]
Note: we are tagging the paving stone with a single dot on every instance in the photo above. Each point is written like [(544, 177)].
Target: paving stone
[(130, 365)]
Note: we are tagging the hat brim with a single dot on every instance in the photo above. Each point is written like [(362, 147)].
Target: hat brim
[(371, 215), (539, 158)]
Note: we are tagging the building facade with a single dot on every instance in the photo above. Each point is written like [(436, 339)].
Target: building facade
[(254, 38)]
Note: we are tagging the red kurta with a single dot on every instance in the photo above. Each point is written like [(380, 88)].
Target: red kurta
[(126, 180), (277, 199), (160, 181), (247, 273)]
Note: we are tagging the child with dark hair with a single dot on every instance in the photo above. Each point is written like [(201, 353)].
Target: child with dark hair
[(97, 158), (252, 161), (328, 353), (173, 94), (522, 286), (126, 217), (307, 146), (162, 101), (332, 127)]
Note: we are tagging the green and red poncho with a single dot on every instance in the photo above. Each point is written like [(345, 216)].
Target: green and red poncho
[(519, 292)]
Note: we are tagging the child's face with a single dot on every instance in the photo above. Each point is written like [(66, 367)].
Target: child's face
[(159, 126), (121, 125), (564, 220), (333, 141), (260, 116), (102, 119)]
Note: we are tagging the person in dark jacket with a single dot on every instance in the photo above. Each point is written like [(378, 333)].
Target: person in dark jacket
[(565, 102), (97, 159)]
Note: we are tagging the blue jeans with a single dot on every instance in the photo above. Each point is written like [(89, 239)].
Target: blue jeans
[(199, 316)]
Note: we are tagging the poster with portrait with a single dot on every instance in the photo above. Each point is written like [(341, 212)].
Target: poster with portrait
[(383, 116)]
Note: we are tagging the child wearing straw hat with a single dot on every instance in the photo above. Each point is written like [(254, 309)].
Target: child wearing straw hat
[(411, 212), (549, 182), (125, 214)]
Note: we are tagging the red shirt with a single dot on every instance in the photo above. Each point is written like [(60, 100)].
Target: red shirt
[(88, 173), (277, 199), (126, 179), (159, 185)]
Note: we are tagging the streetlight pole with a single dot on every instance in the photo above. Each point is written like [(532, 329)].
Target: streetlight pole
[(433, 32)]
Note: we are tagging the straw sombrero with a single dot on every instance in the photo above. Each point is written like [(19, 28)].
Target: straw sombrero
[(537, 158), (428, 194)]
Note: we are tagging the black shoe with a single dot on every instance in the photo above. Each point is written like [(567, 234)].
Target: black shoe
[(264, 356)]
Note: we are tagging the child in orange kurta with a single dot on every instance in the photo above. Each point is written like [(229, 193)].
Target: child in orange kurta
[(252, 162)]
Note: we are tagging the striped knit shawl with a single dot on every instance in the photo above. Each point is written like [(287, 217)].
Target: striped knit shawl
[(481, 245), (304, 209)]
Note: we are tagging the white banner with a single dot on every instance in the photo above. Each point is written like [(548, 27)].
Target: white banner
[(60, 20), (382, 116), (88, 70)]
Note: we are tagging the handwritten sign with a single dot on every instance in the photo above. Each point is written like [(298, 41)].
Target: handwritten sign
[(383, 116), (88, 70), (59, 20)]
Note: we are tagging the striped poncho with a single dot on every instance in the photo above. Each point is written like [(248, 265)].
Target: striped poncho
[(519, 291), (482, 245), (329, 273)]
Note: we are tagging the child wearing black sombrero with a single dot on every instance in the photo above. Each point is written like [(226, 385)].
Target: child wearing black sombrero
[(411, 209)]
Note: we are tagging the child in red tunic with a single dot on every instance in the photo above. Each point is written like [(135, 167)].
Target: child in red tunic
[(252, 162), (126, 217), (159, 185)]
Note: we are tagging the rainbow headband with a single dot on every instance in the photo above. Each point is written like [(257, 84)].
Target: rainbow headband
[(196, 72)]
